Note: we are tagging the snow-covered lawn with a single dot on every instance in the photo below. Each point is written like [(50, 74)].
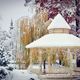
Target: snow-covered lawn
[(15, 74), (23, 75)]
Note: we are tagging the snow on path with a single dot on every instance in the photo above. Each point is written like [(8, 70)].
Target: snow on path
[(23, 75)]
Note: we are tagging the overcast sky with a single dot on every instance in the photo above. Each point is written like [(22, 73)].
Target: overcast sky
[(13, 9)]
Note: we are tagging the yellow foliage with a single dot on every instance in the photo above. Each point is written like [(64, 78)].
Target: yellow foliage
[(65, 61), (29, 31), (43, 15), (61, 55), (26, 57), (35, 55), (53, 58), (44, 56)]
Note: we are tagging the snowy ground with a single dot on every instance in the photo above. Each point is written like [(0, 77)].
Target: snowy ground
[(19, 75), (23, 75)]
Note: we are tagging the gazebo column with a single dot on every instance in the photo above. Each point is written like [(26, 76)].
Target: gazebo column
[(30, 56), (40, 59), (70, 60), (75, 58), (49, 61)]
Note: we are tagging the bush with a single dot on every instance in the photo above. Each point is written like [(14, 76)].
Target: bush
[(32, 79), (3, 73), (10, 68)]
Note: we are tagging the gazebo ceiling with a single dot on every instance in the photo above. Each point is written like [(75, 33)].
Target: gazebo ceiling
[(55, 40), (59, 22)]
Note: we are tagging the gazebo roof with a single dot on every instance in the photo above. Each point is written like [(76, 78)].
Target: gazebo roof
[(55, 40), (59, 22)]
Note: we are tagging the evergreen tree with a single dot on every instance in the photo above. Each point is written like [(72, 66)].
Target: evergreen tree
[(4, 57)]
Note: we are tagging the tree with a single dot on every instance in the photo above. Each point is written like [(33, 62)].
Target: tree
[(67, 8), (77, 14), (4, 57)]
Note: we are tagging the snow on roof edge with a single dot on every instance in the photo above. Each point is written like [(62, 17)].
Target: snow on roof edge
[(59, 22)]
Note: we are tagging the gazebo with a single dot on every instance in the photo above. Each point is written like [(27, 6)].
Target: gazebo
[(57, 39)]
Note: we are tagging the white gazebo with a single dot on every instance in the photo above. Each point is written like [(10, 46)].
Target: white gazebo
[(57, 38)]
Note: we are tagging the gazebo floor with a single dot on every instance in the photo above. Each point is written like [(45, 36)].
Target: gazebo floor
[(62, 73), (53, 70), (74, 76), (55, 77), (58, 77)]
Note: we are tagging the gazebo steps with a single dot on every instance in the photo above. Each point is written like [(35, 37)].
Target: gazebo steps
[(75, 75), (56, 77), (76, 72)]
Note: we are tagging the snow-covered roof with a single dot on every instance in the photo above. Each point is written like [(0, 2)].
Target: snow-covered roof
[(56, 40), (59, 22)]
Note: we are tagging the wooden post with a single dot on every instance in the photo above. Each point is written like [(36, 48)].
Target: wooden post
[(40, 59), (49, 61), (70, 61), (75, 57), (69, 57), (30, 56)]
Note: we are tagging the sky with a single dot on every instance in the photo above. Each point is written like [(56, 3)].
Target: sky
[(14, 9)]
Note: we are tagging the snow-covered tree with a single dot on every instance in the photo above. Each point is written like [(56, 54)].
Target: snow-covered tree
[(3, 53), (4, 57), (7, 46), (4, 49), (68, 8)]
